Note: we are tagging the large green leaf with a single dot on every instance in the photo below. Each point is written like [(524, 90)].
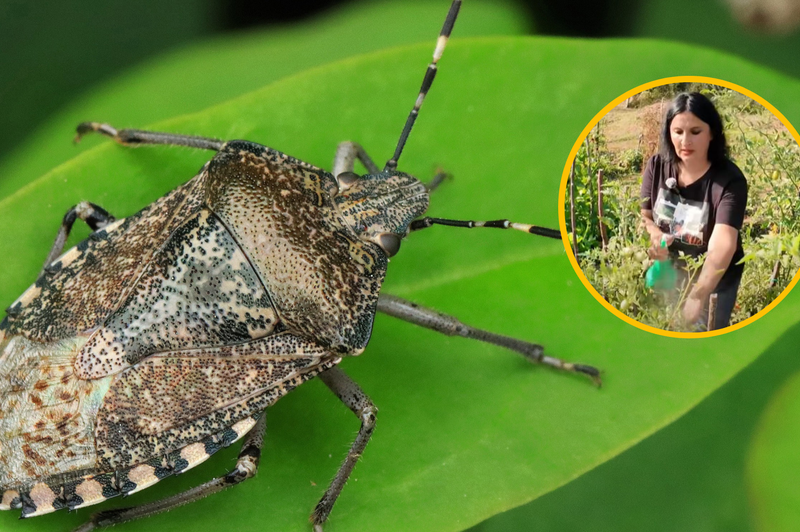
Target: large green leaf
[(465, 430), (197, 76), (690, 476), (774, 461)]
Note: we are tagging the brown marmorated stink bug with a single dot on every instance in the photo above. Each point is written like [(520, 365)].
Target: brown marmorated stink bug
[(164, 336)]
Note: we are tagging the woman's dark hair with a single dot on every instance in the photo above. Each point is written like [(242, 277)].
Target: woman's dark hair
[(702, 108)]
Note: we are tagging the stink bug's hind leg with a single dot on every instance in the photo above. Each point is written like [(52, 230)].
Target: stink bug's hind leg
[(356, 400), (345, 160), (246, 467), (430, 319), (95, 217), (133, 137)]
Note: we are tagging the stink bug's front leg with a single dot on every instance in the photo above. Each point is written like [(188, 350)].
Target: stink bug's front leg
[(431, 319), (95, 217), (437, 180), (133, 137), (356, 400), (345, 160), (246, 467)]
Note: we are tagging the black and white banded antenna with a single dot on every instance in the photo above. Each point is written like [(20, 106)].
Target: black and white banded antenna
[(424, 223), (391, 164), (427, 81)]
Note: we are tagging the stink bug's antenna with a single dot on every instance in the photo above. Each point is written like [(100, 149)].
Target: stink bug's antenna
[(424, 223), (391, 164), (427, 81)]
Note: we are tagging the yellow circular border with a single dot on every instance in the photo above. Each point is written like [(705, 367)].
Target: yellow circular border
[(563, 191)]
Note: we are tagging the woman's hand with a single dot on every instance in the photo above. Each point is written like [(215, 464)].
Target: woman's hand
[(655, 233), (656, 251)]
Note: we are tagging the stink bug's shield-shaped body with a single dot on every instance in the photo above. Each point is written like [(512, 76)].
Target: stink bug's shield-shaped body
[(178, 342), (164, 336)]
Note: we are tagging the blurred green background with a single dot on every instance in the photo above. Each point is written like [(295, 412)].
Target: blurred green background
[(60, 60), (52, 51)]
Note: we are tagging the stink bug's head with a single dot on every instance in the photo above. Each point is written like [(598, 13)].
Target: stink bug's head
[(380, 207), (384, 207)]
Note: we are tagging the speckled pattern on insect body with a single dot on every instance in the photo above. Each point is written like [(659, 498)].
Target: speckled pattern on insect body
[(321, 275), (187, 342), (164, 336)]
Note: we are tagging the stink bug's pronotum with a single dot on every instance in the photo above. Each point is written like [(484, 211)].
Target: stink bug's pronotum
[(164, 336)]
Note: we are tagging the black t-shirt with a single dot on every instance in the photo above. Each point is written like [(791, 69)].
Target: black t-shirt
[(690, 213)]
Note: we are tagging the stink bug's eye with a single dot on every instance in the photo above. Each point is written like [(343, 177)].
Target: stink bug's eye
[(346, 179), (390, 243)]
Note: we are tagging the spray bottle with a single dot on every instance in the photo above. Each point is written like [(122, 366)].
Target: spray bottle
[(661, 275)]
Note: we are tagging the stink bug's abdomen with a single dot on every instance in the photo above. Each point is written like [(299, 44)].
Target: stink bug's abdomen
[(47, 414)]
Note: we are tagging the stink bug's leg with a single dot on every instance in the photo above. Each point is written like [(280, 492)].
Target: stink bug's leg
[(437, 180), (356, 400), (246, 467), (345, 160), (424, 223), (95, 217), (430, 319), (133, 137)]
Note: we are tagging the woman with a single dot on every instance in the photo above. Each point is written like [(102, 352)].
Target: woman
[(694, 198)]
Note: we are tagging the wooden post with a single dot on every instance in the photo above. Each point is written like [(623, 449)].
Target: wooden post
[(773, 280), (603, 235), (712, 311), (589, 173), (572, 209)]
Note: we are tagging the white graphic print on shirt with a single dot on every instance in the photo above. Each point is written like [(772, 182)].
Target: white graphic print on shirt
[(685, 219)]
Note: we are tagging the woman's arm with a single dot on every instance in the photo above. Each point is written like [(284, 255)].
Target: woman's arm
[(721, 247)]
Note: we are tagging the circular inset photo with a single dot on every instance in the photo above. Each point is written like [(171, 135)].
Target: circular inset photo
[(681, 206)]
